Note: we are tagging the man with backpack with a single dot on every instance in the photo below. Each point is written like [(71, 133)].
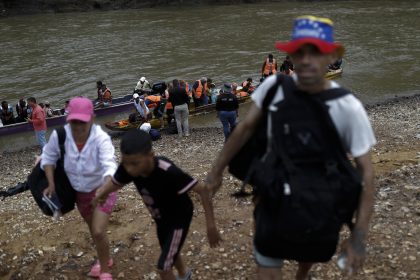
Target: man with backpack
[(305, 188)]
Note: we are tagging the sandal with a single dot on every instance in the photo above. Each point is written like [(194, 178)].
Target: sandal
[(105, 276), (95, 271)]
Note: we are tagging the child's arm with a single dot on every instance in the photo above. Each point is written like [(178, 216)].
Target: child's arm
[(212, 232), (103, 191)]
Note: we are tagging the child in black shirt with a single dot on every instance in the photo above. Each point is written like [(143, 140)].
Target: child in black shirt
[(164, 188)]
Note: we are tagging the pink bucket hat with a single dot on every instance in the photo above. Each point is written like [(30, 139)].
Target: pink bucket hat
[(81, 109)]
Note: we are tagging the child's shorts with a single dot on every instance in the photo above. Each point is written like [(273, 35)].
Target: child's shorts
[(83, 202), (171, 238)]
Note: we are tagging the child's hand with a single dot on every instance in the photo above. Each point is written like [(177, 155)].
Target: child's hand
[(99, 198), (213, 237)]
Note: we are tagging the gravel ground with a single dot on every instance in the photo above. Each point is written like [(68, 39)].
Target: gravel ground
[(35, 247)]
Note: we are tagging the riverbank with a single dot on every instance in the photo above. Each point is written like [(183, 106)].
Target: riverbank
[(34, 247), (25, 7)]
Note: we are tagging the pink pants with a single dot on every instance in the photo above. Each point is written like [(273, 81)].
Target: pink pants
[(83, 202)]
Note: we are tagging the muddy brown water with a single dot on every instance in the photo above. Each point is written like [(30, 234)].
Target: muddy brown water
[(56, 56)]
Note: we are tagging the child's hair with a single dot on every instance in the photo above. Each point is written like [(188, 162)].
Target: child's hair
[(136, 141)]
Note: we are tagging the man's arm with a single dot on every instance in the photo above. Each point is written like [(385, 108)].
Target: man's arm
[(355, 247), (235, 142), (212, 232), (263, 67)]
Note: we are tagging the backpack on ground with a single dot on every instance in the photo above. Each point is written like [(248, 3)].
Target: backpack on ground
[(37, 182), (154, 134)]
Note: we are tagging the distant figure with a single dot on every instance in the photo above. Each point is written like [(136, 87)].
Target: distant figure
[(142, 84), (336, 65), (65, 110), (99, 92), (37, 119), (227, 109), (213, 93), (287, 67), (48, 110), (269, 67), (6, 113), (199, 88), (247, 86), (22, 110), (180, 99), (141, 107)]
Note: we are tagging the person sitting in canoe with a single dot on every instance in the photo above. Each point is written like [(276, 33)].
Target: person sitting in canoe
[(142, 84), (336, 65), (247, 86), (6, 113), (104, 95)]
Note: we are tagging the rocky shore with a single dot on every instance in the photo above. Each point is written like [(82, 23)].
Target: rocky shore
[(33, 246)]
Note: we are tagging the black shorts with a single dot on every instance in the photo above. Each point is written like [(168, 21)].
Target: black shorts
[(171, 238)]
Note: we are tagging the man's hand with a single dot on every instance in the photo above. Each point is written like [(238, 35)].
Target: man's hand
[(355, 251), (213, 182), (213, 237)]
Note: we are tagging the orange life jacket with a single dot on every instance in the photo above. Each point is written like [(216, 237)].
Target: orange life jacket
[(200, 89), (155, 100), (107, 96), (168, 104), (242, 94), (269, 67)]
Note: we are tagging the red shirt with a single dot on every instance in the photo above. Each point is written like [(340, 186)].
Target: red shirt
[(38, 118)]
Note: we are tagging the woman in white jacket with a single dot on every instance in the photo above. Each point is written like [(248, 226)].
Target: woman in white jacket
[(89, 161)]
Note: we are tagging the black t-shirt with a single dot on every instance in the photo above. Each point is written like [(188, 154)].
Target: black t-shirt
[(178, 96), (227, 102), (164, 191)]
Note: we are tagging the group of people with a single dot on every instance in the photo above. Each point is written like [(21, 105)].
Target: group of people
[(296, 218), (23, 111), (173, 98), (270, 66)]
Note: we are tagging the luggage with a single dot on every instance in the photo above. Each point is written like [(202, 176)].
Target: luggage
[(65, 193)]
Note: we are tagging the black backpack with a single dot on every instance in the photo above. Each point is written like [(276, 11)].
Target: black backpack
[(305, 187), (37, 182)]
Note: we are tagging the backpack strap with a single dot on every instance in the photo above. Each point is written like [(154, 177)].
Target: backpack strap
[(272, 91), (61, 133)]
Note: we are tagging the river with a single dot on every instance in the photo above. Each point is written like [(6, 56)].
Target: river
[(56, 56)]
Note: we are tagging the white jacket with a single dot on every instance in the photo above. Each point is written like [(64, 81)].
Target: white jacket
[(87, 169)]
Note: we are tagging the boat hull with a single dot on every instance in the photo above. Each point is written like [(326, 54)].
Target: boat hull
[(120, 104)]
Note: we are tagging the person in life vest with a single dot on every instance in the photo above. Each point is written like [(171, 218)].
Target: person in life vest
[(269, 67), (313, 188), (104, 96), (199, 88), (287, 66)]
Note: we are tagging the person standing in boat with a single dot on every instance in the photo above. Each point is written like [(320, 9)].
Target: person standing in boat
[(199, 88), (269, 66), (287, 66), (179, 98), (37, 119), (21, 110)]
